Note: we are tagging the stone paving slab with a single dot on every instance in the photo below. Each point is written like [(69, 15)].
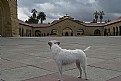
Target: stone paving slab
[(115, 79), (5, 64), (54, 77), (93, 60), (22, 73), (95, 74), (32, 60), (16, 56), (51, 66), (104, 54), (1, 80), (114, 64), (42, 54)]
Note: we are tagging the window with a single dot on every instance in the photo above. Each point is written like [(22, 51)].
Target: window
[(80, 32)]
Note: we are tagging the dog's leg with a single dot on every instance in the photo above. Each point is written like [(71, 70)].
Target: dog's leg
[(84, 69), (60, 71), (79, 67)]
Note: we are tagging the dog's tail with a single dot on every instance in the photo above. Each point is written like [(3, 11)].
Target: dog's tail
[(87, 48)]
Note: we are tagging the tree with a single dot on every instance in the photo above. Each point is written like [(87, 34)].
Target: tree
[(34, 16), (34, 12), (34, 19), (93, 21), (78, 21), (96, 14), (101, 13), (31, 20), (41, 16)]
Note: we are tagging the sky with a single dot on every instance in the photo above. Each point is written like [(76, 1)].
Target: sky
[(79, 9)]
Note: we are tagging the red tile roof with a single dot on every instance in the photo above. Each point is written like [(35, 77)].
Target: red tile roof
[(23, 23), (70, 18), (40, 25), (114, 21), (55, 21), (94, 24), (33, 25)]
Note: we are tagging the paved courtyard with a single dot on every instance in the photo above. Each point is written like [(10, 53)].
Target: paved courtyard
[(29, 59)]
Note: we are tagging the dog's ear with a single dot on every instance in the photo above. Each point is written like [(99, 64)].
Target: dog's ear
[(58, 43), (50, 44)]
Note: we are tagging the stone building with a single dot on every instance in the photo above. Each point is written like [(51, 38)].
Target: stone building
[(64, 26), (9, 25), (68, 26)]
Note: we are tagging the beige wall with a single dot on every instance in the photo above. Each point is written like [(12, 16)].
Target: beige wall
[(25, 31), (66, 24), (114, 27), (91, 30), (14, 17), (9, 22), (61, 29), (6, 28), (61, 26)]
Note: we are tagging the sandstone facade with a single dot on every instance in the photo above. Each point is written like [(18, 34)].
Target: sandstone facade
[(8, 18), (67, 26)]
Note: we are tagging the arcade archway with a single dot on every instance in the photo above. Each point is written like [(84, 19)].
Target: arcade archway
[(54, 32), (97, 32), (80, 32), (37, 33), (67, 32)]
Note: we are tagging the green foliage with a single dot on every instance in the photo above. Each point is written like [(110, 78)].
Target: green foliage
[(34, 11), (98, 15), (94, 21), (34, 19), (78, 21), (41, 16)]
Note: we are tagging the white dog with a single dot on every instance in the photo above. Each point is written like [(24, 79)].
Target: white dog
[(65, 57)]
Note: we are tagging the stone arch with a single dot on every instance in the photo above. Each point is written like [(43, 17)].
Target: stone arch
[(67, 32), (5, 23), (80, 32), (37, 33), (54, 32), (22, 32), (120, 30), (105, 32), (109, 33), (97, 32), (114, 31)]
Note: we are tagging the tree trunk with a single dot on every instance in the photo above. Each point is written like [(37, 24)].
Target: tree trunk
[(96, 18), (100, 20), (41, 21)]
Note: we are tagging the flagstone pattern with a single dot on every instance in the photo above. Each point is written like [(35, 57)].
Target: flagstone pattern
[(30, 59)]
